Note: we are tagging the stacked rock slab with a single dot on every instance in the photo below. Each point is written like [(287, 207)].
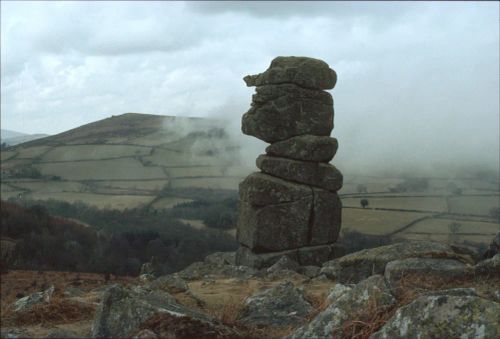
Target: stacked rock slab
[(291, 207)]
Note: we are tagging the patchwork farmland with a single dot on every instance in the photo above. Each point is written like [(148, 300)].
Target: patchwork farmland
[(136, 160)]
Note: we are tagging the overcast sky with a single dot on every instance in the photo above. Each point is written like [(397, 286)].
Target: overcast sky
[(415, 80)]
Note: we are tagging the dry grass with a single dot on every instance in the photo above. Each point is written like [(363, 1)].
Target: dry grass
[(365, 323), (411, 286), (229, 312), (57, 311)]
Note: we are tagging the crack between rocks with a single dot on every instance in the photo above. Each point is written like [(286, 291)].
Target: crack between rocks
[(298, 182), (277, 203), (311, 218)]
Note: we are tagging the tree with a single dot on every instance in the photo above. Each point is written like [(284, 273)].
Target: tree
[(364, 202)]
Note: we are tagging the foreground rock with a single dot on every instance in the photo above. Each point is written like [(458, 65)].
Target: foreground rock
[(444, 316), (489, 267), (370, 295), (423, 270), (278, 306), (199, 270), (170, 326), (123, 310), (305, 256), (26, 303), (357, 266)]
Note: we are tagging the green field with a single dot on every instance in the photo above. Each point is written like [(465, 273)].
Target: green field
[(479, 205), (99, 200), (32, 152), (149, 185), (125, 168), (52, 186), (441, 225), (433, 204), (376, 222), (208, 183), (93, 152)]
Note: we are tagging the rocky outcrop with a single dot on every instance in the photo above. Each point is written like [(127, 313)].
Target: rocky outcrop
[(278, 306), (347, 304), (444, 316), (310, 173), (413, 269), (305, 148), (291, 208), (357, 266), (25, 303), (123, 310), (304, 72), (489, 267)]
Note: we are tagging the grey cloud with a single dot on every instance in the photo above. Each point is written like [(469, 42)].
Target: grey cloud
[(284, 9), (417, 86)]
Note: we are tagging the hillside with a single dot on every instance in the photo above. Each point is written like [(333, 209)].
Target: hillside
[(134, 160), (125, 161)]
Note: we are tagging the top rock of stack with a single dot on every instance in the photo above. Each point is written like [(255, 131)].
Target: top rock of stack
[(302, 71)]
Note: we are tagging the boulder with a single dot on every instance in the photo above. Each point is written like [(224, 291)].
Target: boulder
[(145, 334), (170, 283), (123, 310), (276, 215), (419, 271), (14, 333), (280, 305), (284, 263), (309, 255), (287, 117), (305, 148), (247, 258), (198, 270), (331, 269), (61, 333), (336, 292), (348, 304), (359, 265), (274, 227), (283, 94), (221, 258), (494, 247), (457, 292), (303, 71), (444, 316), (489, 267), (169, 326), (326, 218), (320, 175), (309, 271), (259, 189), (25, 303)]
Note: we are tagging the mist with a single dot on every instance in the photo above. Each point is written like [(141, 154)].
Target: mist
[(417, 92)]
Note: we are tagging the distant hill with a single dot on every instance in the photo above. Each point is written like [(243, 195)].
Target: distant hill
[(13, 138), (125, 161), (6, 134)]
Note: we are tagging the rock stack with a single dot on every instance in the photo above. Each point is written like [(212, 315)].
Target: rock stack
[(291, 207)]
